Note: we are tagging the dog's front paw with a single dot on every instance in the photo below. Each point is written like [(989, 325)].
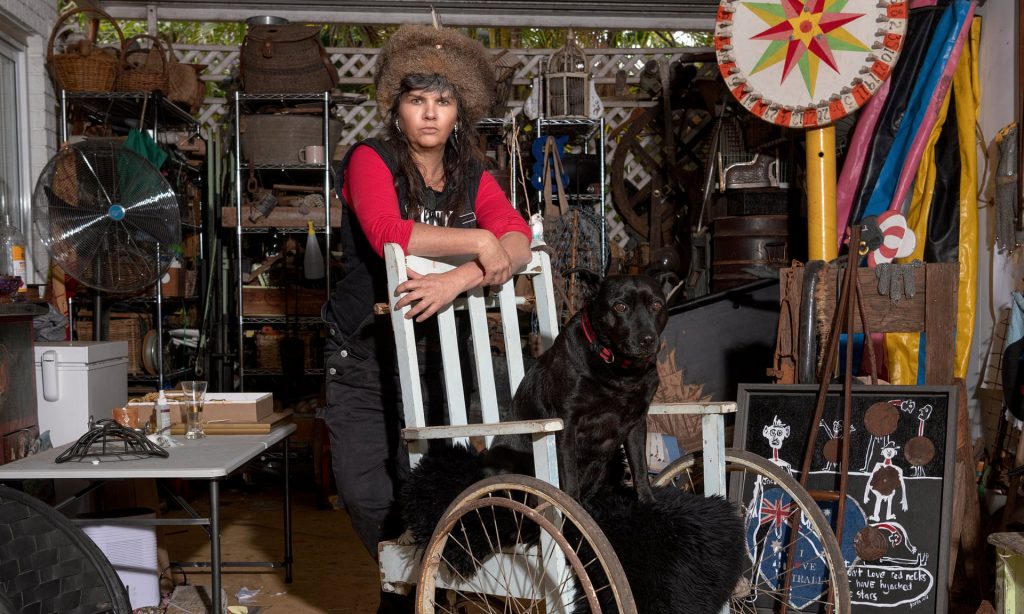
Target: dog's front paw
[(407, 539)]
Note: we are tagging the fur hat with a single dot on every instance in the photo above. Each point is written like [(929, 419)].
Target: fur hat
[(419, 49)]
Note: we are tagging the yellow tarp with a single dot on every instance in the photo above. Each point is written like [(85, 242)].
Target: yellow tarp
[(902, 349)]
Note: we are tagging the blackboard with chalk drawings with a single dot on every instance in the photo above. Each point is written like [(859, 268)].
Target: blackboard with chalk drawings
[(902, 457)]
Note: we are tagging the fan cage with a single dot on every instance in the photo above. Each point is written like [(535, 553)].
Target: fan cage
[(107, 216)]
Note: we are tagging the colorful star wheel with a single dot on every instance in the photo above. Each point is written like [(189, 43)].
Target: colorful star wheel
[(842, 51)]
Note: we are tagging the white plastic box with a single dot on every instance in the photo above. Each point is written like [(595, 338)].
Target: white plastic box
[(81, 378)]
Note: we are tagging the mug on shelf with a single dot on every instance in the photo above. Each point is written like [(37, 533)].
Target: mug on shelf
[(312, 154)]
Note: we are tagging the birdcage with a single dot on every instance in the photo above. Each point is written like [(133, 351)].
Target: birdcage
[(567, 81)]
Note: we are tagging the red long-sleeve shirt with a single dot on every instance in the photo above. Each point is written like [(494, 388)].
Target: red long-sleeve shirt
[(370, 192)]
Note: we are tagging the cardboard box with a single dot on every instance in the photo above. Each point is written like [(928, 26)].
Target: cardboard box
[(238, 406), (228, 406)]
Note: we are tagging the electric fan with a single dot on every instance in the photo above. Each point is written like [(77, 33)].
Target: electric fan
[(106, 215)]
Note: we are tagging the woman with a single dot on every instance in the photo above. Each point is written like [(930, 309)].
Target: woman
[(422, 186)]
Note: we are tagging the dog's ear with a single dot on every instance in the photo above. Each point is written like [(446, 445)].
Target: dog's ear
[(588, 283)]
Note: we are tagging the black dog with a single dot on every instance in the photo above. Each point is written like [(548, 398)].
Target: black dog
[(599, 377)]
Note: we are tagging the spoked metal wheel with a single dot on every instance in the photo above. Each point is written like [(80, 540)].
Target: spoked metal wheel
[(793, 557), (513, 543)]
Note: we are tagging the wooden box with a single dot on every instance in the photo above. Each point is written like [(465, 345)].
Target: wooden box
[(292, 301)]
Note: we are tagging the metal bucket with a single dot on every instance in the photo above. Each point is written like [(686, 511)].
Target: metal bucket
[(266, 20), (747, 248)]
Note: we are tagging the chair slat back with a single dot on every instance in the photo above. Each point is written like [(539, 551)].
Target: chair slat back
[(478, 305)]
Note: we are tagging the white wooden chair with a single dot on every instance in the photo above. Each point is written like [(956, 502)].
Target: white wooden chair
[(556, 556)]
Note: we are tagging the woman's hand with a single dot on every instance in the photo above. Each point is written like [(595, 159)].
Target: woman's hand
[(428, 294), (494, 260)]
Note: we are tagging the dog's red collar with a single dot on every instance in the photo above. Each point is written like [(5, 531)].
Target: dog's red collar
[(604, 352)]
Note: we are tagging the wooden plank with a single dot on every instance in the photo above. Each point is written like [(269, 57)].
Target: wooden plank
[(238, 427), (296, 301), (692, 408), (786, 367), (281, 217), (517, 427), (884, 316), (940, 322)]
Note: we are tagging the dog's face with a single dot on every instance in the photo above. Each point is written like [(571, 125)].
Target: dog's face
[(628, 313)]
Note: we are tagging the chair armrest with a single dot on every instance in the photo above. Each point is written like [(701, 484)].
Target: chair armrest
[(693, 409), (516, 427)]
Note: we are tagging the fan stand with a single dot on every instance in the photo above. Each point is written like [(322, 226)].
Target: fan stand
[(97, 320)]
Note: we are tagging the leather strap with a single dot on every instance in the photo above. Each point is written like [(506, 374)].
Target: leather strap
[(553, 165)]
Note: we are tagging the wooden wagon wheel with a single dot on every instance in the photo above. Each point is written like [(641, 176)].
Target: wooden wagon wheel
[(518, 541), (676, 167)]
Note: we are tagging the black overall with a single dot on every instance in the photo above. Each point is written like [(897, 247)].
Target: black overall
[(364, 405)]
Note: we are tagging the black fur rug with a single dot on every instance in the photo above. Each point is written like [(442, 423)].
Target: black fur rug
[(681, 553)]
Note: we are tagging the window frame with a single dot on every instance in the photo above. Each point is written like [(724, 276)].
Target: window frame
[(21, 207)]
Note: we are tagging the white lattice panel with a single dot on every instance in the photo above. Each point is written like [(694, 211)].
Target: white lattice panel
[(355, 67)]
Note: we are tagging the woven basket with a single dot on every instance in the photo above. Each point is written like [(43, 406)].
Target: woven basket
[(149, 75), (88, 68), (183, 83), (285, 59), (268, 348), (130, 327), (277, 139)]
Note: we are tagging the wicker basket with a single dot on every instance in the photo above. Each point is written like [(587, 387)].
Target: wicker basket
[(87, 68), (130, 327), (285, 59), (148, 75), (183, 83), (277, 139), (268, 348)]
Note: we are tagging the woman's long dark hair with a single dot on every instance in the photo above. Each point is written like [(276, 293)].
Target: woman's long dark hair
[(461, 160)]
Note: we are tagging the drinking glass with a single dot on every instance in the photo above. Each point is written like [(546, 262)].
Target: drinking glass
[(195, 395)]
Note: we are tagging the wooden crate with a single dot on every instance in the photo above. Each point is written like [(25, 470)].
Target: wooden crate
[(291, 301)]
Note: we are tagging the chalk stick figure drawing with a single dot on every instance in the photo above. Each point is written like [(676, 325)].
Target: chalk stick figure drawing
[(919, 450), (885, 479), (830, 451), (921, 560), (776, 434)]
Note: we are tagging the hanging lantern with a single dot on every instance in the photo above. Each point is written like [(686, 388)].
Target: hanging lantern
[(567, 81)]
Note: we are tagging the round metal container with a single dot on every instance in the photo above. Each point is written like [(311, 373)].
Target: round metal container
[(747, 242), (266, 20)]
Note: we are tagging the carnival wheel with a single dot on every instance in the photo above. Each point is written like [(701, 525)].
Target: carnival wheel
[(794, 562), (513, 543), (807, 64)]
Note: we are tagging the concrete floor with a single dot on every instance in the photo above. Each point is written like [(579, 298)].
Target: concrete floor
[(332, 571)]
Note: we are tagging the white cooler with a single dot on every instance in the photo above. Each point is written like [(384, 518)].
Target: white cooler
[(78, 379)]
